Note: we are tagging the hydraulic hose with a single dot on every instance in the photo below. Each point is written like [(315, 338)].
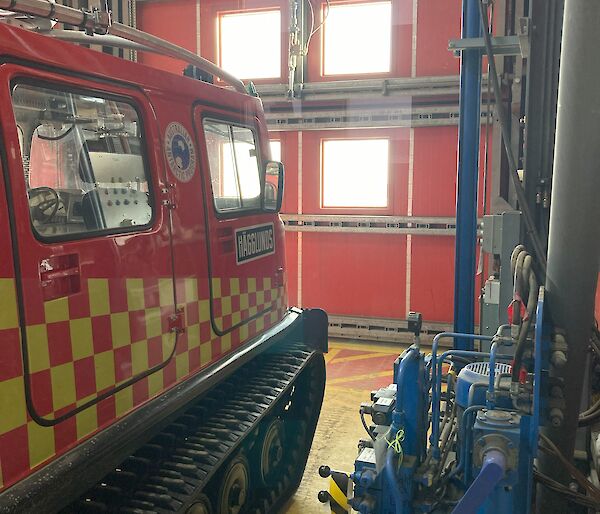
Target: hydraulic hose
[(393, 480), (590, 417), (448, 437), (435, 388), (592, 413), (524, 282)]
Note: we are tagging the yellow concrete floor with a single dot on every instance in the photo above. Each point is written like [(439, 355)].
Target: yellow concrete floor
[(353, 371)]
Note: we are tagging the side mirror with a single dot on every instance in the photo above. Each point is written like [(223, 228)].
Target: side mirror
[(273, 186)]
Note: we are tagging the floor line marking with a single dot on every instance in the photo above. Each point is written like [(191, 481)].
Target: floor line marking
[(331, 354), (351, 358), (366, 376), (340, 388), (390, 350)]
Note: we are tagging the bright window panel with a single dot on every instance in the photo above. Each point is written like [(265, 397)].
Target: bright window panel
[(234, 170), (355, 173), (246, 160), (250, 44), (276, 151), (357, 39), (229, 182)]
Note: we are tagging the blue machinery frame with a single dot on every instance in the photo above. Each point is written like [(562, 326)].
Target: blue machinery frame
[(467, 177), (495, 448)]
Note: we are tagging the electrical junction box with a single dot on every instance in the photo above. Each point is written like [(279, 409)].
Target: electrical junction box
[(501, 234), (491, 291)]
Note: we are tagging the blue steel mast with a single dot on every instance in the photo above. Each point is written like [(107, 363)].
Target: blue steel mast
[(467, 177)]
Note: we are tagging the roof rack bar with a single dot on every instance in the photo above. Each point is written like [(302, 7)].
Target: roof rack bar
[(161, 46), (99, 22), (76, 36)]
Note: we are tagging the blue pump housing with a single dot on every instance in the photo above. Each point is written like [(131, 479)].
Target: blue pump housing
[(475, 374)]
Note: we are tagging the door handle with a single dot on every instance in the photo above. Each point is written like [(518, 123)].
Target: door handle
[(60, 276), (49, 276)]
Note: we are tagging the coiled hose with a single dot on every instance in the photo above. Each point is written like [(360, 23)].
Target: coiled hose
[(525, 290)]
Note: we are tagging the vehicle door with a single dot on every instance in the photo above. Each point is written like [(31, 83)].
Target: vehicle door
[(92, 245), (245, 243)]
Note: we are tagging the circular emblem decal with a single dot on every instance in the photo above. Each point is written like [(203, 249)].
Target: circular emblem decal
[(180, 152)]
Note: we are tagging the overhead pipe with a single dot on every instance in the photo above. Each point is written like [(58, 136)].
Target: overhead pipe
[(467, 177), (574, 238)]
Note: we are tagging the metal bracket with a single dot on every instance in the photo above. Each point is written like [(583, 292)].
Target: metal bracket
[(177, 322), (502, 45), (524, 36)]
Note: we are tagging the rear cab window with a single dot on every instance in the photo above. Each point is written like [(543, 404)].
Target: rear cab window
[(234, 166), (83, 162)]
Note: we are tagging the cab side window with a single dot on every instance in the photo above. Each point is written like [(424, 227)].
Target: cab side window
[(234, 166), (82, 162)]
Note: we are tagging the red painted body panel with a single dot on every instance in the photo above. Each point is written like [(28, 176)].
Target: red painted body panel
[(79, 373), (112, 257)]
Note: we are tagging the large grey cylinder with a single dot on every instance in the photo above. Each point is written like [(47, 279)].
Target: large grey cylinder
[(574, 239)]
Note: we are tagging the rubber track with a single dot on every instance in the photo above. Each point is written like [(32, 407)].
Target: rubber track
[(166, 474)]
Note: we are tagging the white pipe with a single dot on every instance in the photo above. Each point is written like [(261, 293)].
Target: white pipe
[(75, 36)]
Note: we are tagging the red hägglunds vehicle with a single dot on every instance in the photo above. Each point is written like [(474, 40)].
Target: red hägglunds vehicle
[(150, 361)]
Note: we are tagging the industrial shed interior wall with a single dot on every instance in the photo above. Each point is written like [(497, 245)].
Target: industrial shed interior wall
[(374, 275)]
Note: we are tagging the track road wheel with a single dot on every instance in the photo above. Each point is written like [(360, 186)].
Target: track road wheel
[(202, 506), (235, 487), (272, 452)]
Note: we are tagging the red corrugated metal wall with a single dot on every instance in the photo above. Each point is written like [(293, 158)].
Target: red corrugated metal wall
[(356, 274), (174, 21)]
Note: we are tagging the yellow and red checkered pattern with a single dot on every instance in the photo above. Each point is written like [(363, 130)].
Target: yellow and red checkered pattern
[(78, 352), (236, 300), (76, 355)]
